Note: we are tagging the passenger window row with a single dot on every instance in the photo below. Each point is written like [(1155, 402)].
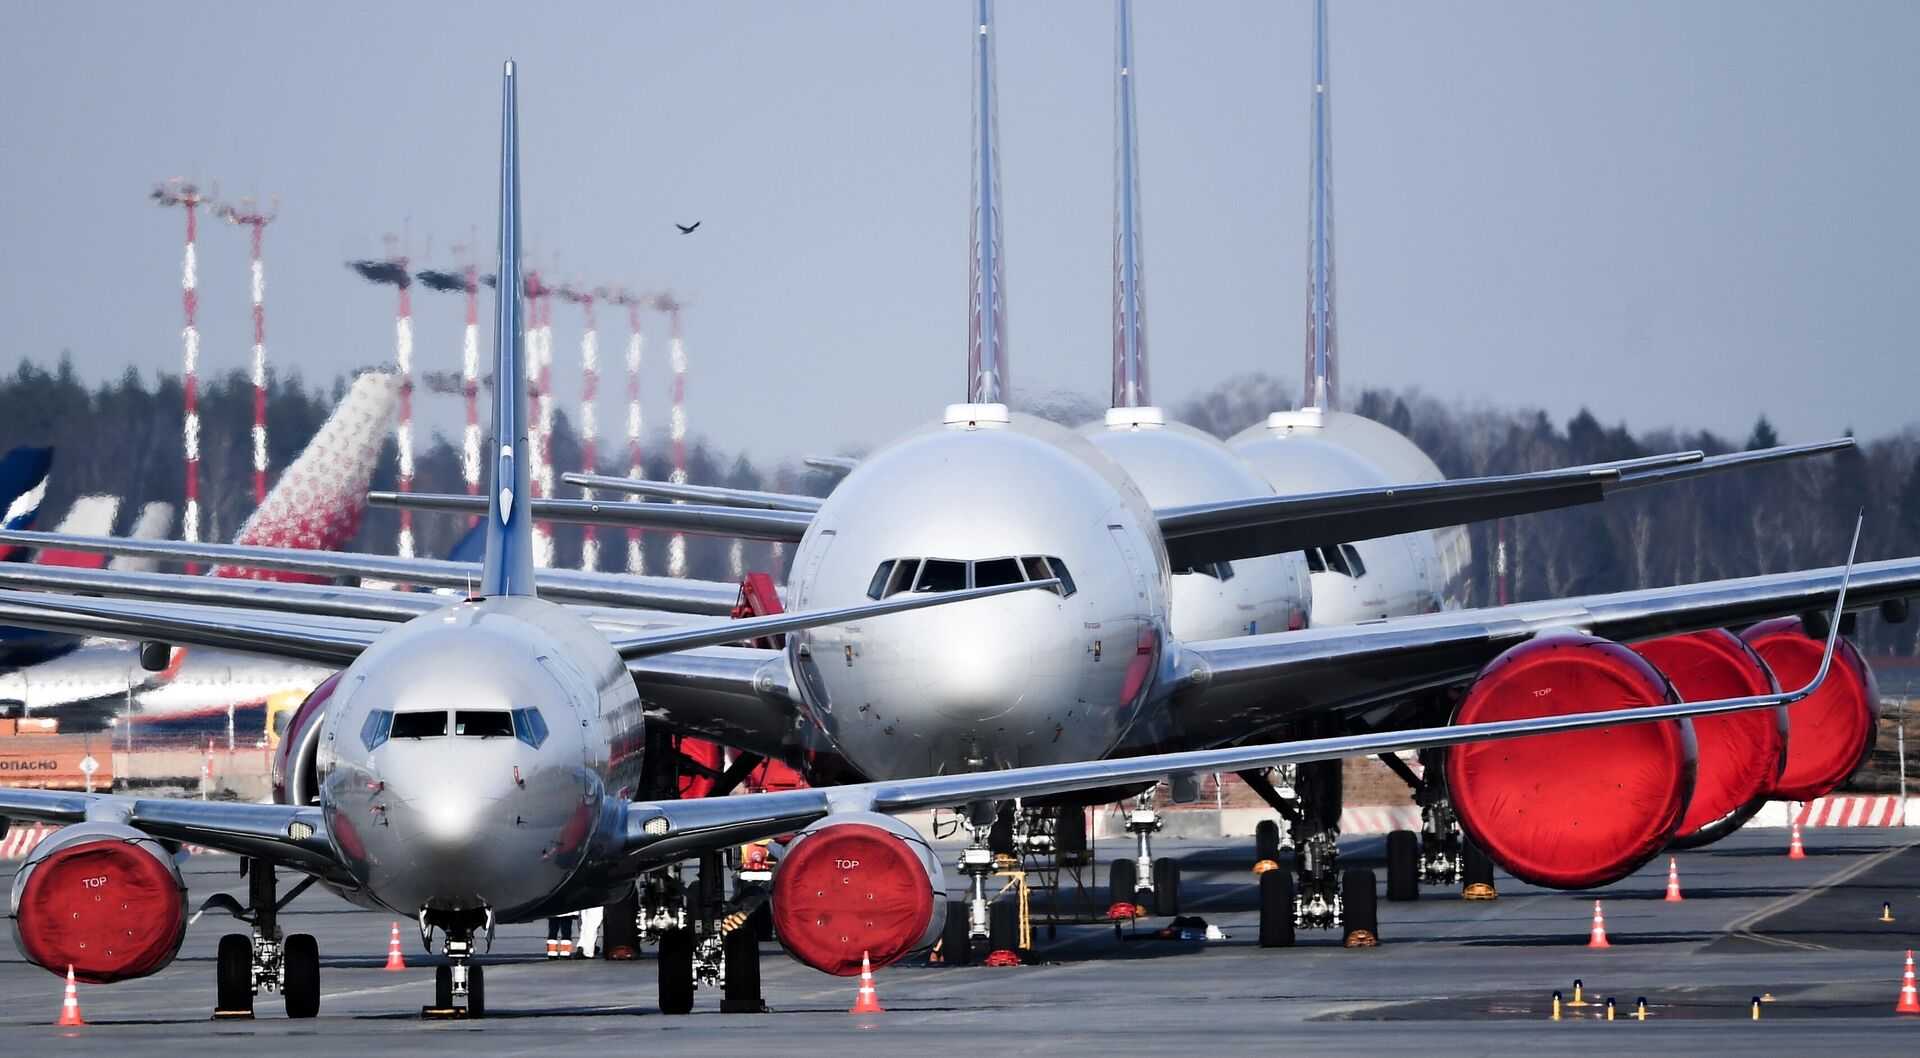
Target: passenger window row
[(1343, 559), (897, 575), (527, 725)]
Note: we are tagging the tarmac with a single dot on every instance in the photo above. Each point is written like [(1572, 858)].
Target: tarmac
[(1450, 977)]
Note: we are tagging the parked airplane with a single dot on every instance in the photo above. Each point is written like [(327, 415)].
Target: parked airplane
[(998, 501)]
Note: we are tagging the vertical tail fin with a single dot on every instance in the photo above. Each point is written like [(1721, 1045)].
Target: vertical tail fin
[(1129, 303), (509, 564), (1323, 373), (987, 339)]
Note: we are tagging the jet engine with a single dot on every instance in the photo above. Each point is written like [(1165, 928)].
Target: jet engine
[(1741, 754), (1581, 808), (857, 883), (296, 779), (1832, 728), (100, 897)]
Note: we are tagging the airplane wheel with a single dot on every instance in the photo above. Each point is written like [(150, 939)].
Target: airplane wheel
[(1003, 925), (476, 991), (233, 975), (442, 987), (1475, 867), (1276, 909), (1266, 841), (301, 966), (1166, 886), (1359, 906), (1403, 865), (676, 971), (955, 945), (1123, 882)]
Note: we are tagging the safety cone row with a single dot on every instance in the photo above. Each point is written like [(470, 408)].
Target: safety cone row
[(1909, 998), (1796, 851), (394, 961), (1673, 880), (1598, 938), (868, 1001), (70, 1006)]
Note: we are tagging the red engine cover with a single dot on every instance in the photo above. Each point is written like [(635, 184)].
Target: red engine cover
[(1740, 753), (112, 909), (847, 890), (1831, 730), (1581, 808)]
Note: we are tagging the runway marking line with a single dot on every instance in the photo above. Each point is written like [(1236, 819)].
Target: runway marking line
[(1743, 926)]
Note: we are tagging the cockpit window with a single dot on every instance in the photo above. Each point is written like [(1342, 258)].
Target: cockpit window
[(529, 727), (878, 588), (374, 732), (1337, 561), (894, 576), (483, 723), (996, 571), (1220, 571), (1066, 579), (1358, 567), (1315, 563), (1035, 568), (940, 574), (420, 724)]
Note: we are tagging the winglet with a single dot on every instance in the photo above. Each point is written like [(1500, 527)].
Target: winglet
[(509, 566), (1129, 304), (1839, 611), (1323, 374)]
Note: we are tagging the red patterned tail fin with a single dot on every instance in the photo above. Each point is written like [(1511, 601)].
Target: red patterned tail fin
[(319, 500)]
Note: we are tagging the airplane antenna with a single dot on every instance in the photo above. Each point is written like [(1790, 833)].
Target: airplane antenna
[(677, 419), (248, 213), (1129, 304), (589, 425), (987, 376), (1323, 374), (187, 196), (392, 270), (636, 555)]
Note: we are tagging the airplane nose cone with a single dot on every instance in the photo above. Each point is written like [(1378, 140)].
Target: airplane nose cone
[(973, 661)]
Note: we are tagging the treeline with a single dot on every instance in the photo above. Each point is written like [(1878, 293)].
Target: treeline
[(123, 438)]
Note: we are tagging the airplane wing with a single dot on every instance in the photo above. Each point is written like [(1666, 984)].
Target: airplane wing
[(784, 526), (712, 494), (1214, 532), (661, 832), (288, 835), (324, 599), (1231, 689), (671, 594), (737, 696), (832, 464)]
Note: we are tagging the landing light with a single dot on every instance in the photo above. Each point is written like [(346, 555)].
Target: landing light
[(299, 830), (655, 827)]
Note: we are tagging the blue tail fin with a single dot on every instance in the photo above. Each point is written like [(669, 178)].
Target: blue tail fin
[(509, 564), (23, 485), (1323, 372)]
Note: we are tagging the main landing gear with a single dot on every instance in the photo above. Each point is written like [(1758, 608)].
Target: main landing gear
[(1316, 894), (1439, 854), (705, 941), (460, 987), (1158, 879), (267, 961)]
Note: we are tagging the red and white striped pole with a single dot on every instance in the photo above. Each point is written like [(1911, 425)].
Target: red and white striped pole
[(677, 421), (470, 385), (636, 556), (248, 214), (176, 192), (403, 433), (589, 424), (540, 387)]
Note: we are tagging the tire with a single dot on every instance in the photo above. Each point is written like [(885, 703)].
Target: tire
[(1403, 865), (621, 939), (1276, 909), (956, 947), (233, 975), (1266, 841), (476, 991), (1123, 882), (676, 971), (1166, 886), (1359, 903), (300, 963), (1003, 925), (1475, 867), (1070, 836), (442, 987), (742, 991)]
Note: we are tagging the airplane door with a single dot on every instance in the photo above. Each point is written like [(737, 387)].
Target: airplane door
[(1125, 543), (804, 586)]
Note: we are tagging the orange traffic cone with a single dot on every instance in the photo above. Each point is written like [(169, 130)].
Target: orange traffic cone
[(1598, 939), (1673, 881), (394, 961), (868, 1001), (1909, 998), (1796, 851), (70, 1006)]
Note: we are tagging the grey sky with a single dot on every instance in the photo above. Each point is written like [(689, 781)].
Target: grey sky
[(1678, 214)]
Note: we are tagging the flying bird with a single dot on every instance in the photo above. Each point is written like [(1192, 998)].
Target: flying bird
[(686, 229)]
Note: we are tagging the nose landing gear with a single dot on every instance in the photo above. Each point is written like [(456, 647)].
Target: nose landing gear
[(460, 987)]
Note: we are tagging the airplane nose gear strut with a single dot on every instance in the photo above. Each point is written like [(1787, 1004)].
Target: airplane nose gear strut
[(460, 987)]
